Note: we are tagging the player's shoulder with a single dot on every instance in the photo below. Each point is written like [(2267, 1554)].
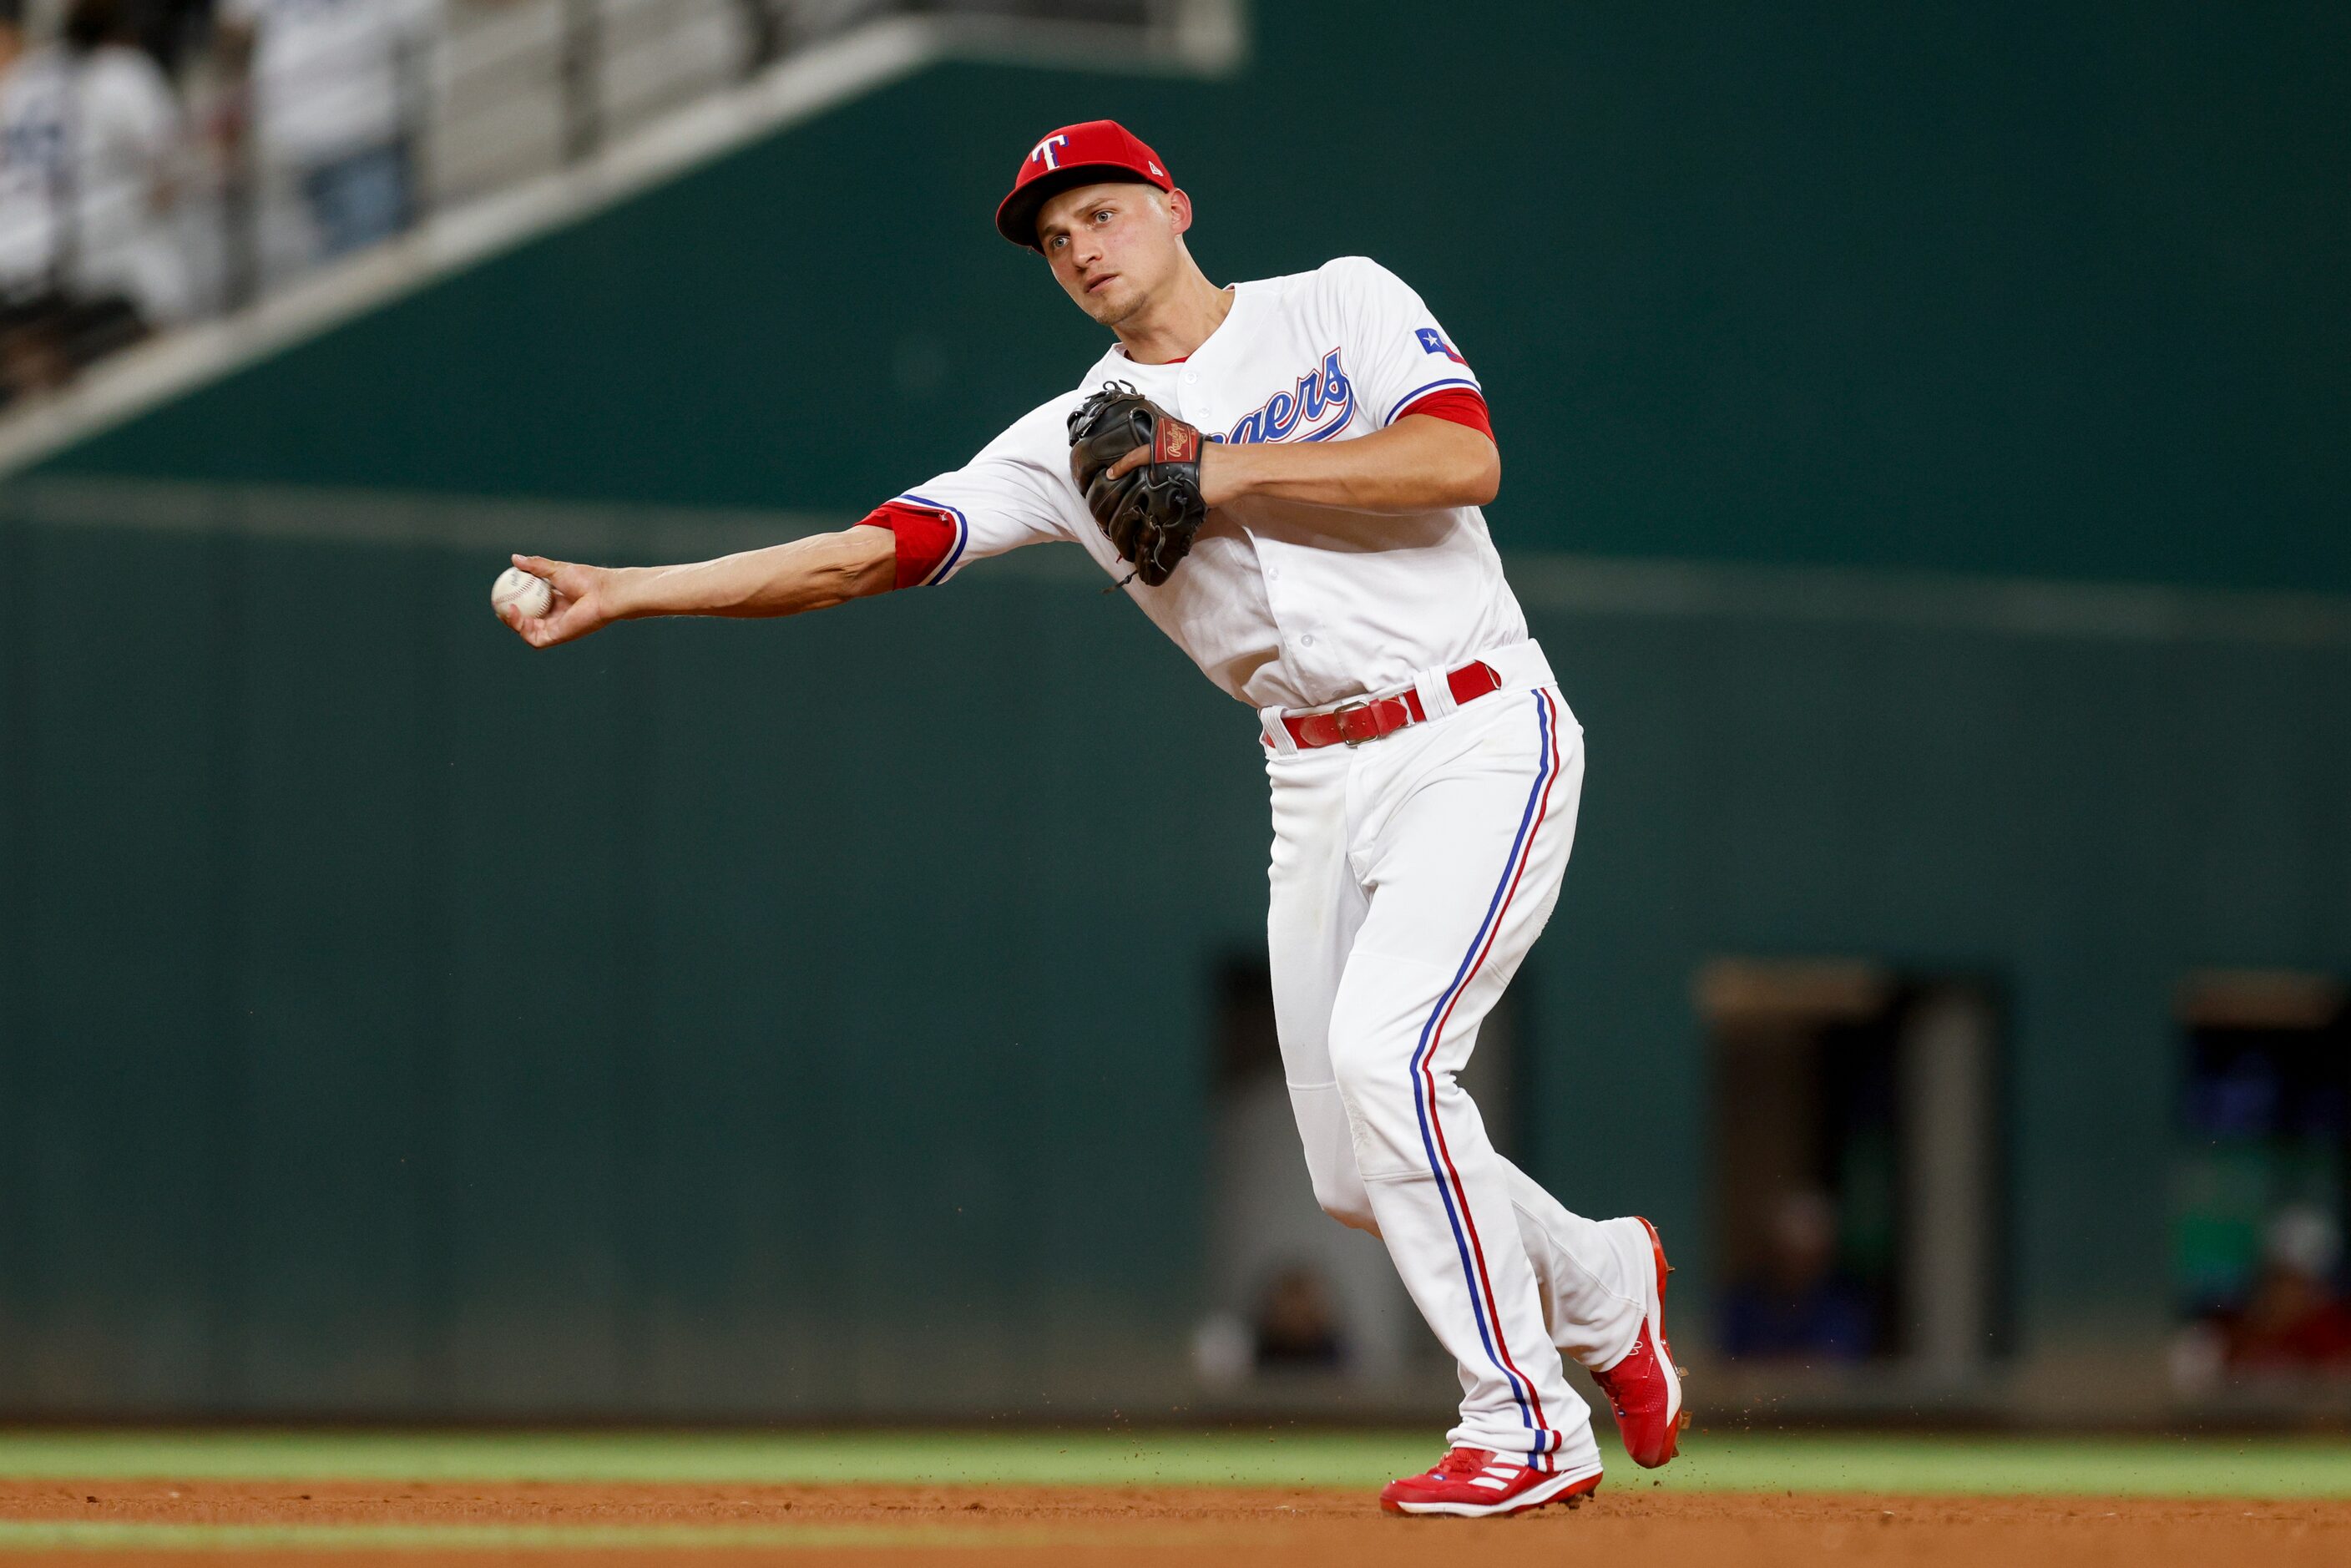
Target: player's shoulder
[(1344, 284), (1354, 275), (1340, 284)]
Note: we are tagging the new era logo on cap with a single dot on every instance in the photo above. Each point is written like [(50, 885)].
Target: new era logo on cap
[(1084, 153)]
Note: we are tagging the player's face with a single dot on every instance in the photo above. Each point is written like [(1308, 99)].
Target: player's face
[(1113, 246)]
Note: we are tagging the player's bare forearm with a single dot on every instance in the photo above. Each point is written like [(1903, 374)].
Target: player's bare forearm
[(1416, 464), (812, 573)]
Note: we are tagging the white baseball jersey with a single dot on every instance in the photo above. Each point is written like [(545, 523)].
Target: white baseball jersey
[(1281, 604), (1409, 877)]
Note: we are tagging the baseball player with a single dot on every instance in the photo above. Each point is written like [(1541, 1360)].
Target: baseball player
[(1286, 475)]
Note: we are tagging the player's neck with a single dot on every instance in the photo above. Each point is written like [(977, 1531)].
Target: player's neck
[(1171, 328)]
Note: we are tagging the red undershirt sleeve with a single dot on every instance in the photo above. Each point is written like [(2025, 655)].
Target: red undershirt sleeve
[(926, 536), (1461, 405)]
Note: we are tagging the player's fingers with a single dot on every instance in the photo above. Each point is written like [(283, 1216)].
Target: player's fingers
[(562, 625), (538, 631), (1130, 463), (539, 566)]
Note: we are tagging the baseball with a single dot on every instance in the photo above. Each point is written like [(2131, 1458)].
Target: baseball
[(526, 593)]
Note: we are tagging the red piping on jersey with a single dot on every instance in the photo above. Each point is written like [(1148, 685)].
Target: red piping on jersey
[(924, 535), (1460, 406)]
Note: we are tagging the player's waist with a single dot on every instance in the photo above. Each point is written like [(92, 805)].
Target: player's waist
[(1432, 694)]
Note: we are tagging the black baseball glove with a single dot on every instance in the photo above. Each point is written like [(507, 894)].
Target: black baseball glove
[(1149, 513)]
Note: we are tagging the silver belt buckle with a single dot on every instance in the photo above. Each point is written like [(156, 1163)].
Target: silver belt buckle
[(1351, 742)]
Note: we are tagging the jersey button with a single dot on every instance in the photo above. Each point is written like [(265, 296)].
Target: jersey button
[(1308, 640), (1191, 378)]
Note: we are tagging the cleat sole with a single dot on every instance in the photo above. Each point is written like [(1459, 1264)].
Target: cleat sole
[(1568, 1490)]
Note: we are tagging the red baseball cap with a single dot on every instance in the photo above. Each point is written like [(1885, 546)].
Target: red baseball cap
[(1083, 154)]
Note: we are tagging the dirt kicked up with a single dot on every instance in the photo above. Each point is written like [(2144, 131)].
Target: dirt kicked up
[(150, 1521)]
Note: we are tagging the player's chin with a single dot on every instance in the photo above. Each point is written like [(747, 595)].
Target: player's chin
[(1111, 304)]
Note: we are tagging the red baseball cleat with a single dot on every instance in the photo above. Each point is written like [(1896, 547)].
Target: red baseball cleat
[(1645, 1388), (1473, 1483)]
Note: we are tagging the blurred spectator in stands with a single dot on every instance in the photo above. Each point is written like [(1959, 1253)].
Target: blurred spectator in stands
[(1295, 1324), (166, 28), (2295, 1316), (336, 94), (89, 253), (1796, 1305)]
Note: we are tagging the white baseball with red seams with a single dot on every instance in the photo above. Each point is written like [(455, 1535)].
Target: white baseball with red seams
[(1409, 876), (529, 594)]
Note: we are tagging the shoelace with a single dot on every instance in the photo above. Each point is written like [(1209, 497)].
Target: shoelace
[(1458, 1462)]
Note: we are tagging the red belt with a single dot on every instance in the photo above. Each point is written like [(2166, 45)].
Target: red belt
[(1352, 723)]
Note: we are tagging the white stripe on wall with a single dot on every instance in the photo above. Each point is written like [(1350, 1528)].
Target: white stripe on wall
[(1547, 582)]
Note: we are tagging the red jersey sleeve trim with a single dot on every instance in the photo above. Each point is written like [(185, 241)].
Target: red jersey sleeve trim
[(928, 538), (1461, 405)]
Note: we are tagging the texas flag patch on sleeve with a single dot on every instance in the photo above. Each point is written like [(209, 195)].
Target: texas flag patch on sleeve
[(1432, 341)]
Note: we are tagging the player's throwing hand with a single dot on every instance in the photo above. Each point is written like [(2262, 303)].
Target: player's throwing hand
[(577, 607)]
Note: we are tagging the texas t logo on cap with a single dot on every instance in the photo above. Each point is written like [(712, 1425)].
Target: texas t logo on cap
[(1087, 153)]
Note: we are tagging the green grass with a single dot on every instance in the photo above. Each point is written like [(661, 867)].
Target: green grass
[(106, 1535), (2270, 1468)]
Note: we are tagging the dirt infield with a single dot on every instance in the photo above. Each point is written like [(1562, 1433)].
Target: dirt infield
[(153, 1522)]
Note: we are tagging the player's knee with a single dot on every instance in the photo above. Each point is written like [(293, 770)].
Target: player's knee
[(1378, 1087), (1345, 1199)]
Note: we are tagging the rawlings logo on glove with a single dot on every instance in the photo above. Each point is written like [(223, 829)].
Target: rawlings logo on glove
[(1149, 513)]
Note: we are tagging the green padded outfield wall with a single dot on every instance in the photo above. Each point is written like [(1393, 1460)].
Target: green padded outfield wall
[(745, 1018), (721, 1019)]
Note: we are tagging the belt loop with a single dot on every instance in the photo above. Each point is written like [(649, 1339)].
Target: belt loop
[(1435, 694), (1277, 734)]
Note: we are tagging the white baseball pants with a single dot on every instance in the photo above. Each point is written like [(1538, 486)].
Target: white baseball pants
[(1410, 875)]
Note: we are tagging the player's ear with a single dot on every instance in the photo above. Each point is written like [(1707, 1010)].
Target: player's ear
[(1179, 207)]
